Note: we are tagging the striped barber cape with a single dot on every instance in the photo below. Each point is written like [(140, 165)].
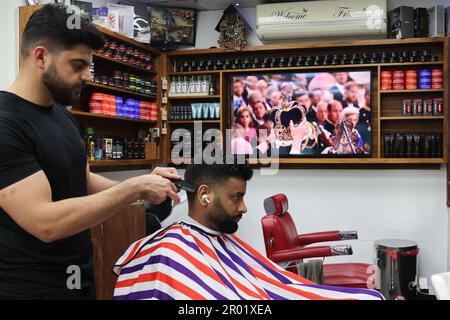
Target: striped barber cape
[(188, 261)]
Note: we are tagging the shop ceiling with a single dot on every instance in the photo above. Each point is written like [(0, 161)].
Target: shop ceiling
[(203, 5)]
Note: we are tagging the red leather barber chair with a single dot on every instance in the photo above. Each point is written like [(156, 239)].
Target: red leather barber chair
[(284, 245)]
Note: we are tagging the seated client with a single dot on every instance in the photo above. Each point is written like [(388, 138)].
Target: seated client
[(201, 258)]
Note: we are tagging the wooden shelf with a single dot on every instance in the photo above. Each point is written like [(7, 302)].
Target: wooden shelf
[(340, 66), (345, 161), (290, 69), (128, 65), (187, 73), (412, 91), (121, 163), (398, 64), (127, 40), (412, 118), (104, 116), (312, 45), (114, 89), (192, 121), (193, 97)]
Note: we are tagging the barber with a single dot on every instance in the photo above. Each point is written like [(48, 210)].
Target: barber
[(49, 199)]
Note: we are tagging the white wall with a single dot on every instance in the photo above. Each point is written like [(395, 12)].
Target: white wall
[(9, 36), (377, 203)]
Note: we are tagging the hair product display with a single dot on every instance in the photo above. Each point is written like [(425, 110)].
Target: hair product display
[(128, 54), (422, 107), (306, 61), (412, 145), (196, 111), (106, 104)]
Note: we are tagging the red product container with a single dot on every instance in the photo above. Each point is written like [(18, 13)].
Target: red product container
[(437, 78), (386, 84), (411, 80), (386, 74), (96, 103), (398, 74)]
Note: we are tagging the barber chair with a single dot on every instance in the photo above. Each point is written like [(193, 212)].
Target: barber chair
[(286, 247)]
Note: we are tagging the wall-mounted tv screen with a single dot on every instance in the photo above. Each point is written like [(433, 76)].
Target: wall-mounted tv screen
[(313, 114)]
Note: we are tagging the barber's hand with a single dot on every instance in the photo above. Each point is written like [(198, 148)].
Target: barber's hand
[(154, 188), (168, 173)]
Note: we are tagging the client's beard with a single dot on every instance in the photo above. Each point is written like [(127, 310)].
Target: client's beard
[(62, 93), (221, 218)]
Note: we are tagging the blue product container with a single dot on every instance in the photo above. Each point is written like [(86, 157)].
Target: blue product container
[(425, 72), (138, 109), (424, 85)]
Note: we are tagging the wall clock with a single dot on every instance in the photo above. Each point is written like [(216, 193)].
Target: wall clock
[(232, 29)]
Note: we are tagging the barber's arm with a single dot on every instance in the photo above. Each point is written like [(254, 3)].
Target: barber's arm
[(29, 203), (97, 183)]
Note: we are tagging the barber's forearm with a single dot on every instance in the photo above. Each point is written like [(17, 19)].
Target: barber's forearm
[(97, 183), (71, 216)]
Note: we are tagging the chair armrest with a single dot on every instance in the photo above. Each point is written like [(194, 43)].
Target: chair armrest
[(310, 238), (301, 253), (311, 252)]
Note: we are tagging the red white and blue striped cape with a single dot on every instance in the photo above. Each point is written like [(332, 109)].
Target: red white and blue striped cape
[(188, 261)]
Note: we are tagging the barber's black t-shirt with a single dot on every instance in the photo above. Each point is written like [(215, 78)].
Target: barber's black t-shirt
[(35, 138)]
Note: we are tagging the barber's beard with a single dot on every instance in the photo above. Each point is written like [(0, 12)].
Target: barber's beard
[(225, 222), (62, 92)]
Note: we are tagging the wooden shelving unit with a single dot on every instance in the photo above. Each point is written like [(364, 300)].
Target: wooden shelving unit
[(385, 105), (129, 41), (353, 161), (103, 116), (413, 118), (125, 64), (121, 165), (193, 97), (113, 125), (410, 91), (193, 121), (119, 91)]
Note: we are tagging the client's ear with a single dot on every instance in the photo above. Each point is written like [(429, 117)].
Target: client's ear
[(202, 195)]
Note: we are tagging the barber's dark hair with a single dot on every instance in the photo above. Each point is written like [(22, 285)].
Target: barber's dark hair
[(48, 26), (216, 173)]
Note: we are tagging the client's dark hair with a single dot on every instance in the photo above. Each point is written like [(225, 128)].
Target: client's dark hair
[(216, 173), (49, 26)]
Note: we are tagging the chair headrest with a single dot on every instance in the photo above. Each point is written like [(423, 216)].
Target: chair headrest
[(277, 204)]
